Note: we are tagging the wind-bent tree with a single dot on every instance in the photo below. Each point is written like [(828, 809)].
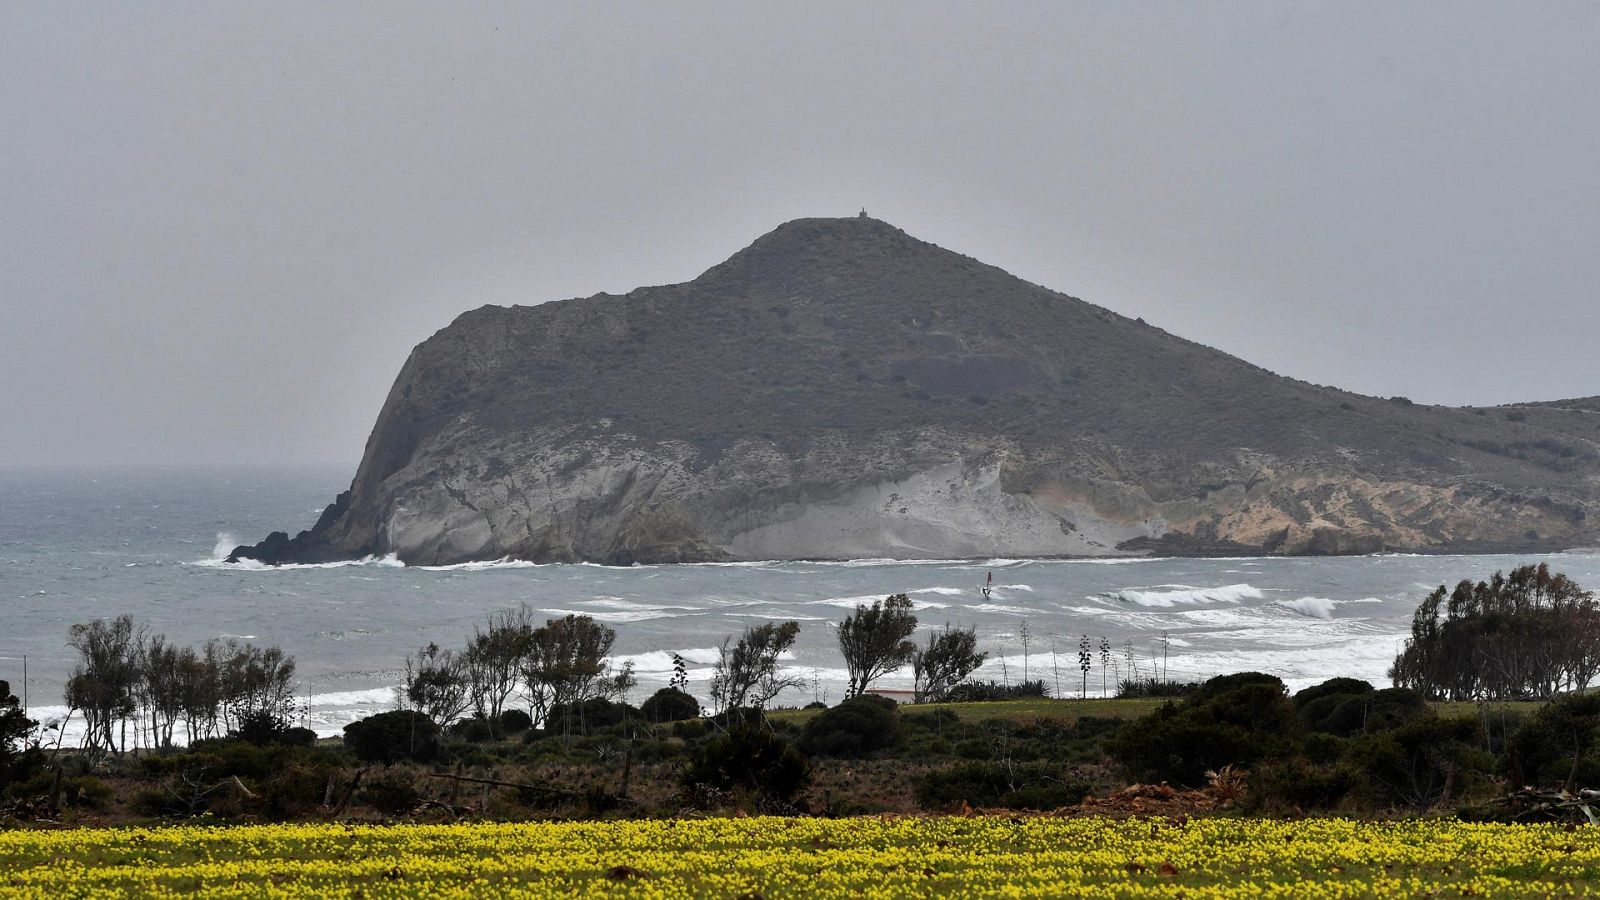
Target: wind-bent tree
[(949, 657), (102, 684), (124, 673), (875, 640), (252, 681), (566, 665), (1530, 634), (158, 689), (746, 674), (493, 659), (436, 684)]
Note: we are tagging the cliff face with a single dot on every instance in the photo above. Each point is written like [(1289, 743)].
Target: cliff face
[(840, 389)]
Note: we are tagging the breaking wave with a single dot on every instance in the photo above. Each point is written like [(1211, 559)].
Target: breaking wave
[(1315, 607), (1168, 595)]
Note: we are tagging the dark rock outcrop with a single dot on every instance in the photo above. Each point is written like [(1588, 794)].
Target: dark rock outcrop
[(840, 389)]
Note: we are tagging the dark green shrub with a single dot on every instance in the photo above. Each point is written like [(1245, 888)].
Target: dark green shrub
[(690, 729), (225, 757), (586, 717), (854, 728), (475, 729), (515, 721), (1330, 687), (297, 790), (670, 705), (1325, 749), (750, 758), (260, 727), (993, 784), (1299, 784), (1346, 715), (1422, 763), (1237, 720), (390, 737), (1560, 742), (83, 791), (394, 794), (297, 737)]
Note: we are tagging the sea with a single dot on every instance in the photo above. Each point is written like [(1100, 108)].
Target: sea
[(81, 544)]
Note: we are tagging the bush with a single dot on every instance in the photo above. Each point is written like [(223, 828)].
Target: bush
[(751, 758), (982, 691), (1343, 686), (84, 791), (297, 737), (1424, 762), (1557, 744), (1237, 720), (586, 717), (475, 730), (297, 790), (854, 728), (260, 727), (390, 737), (1300, 784), (670, 705), (991, 784), (515, 721), (1346, 715), (391, 794)]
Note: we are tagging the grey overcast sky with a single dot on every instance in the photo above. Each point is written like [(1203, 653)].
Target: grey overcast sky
[(223, 226)]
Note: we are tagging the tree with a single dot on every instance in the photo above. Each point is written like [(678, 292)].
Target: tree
[(102, 682), (746, 673), (566, 665), (1530, 634), (875, 642), (199, 693), (949, 657), (436, 684), (493, 658), (252, 680), (15, 727), (158, 689)]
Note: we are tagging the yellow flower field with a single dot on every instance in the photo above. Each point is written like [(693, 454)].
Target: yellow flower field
[(779, 857)]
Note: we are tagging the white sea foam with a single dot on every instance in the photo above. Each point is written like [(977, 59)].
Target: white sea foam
[(658, 661), (947, 591), (224, 545), (868, 599), (484, 565), (623, 616), (1169, 595), (1001, 608), (1017, 587), (255, 565), (1316, 607)]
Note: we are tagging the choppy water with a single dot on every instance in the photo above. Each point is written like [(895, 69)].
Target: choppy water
[(76, 545)]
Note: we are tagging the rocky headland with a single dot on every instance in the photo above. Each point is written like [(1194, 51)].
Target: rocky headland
[(839, 389)]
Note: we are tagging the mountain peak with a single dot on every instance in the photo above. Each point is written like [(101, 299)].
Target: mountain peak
[(839, 388), (828, 242)]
